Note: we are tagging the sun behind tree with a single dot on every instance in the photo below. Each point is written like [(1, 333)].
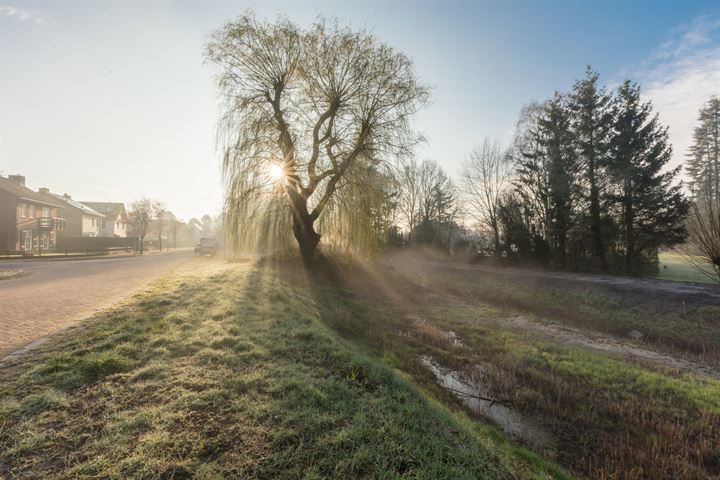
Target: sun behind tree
[(330, 102), (276, 172)]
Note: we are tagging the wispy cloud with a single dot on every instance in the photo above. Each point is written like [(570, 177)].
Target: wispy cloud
[(681, 76), (21, 14)]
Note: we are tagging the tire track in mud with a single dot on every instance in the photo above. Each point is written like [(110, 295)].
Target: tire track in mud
[(613, 346)]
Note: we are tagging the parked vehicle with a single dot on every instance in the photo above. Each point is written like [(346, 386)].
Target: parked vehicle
[(207, 246)]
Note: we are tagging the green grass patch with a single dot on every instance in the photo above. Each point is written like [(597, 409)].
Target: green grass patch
[(676, 267)]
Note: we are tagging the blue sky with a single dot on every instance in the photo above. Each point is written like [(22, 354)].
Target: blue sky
[(111, 101)]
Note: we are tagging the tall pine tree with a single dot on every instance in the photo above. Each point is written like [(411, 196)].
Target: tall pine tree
[(703, 164), (532, 182), (652, 206), (592, 124), (553, 159)]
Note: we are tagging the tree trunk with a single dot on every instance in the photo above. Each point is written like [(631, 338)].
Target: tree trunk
[(595, 228), (629, 233), (303, 229), (141, 244), (562, 247), (496, 238), (306, 237), (449, 245)]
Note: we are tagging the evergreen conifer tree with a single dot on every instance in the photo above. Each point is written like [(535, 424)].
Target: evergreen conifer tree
[(592, 125), (652, 205)]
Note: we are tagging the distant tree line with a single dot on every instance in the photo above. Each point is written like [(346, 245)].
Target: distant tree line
[(585, 186), (150, 218), (427, 204)]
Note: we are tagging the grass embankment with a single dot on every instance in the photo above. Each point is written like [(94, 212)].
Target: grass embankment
[(611, 417), (234, 373), (263, 373)]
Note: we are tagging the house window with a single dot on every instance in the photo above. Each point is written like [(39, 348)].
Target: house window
[(23, 210), (31, 211), (46, 212), (46, 240)]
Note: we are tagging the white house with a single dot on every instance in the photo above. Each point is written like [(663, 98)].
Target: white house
[(116, 223)]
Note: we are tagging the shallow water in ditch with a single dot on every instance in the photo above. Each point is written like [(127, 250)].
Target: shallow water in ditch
[(518, 426)]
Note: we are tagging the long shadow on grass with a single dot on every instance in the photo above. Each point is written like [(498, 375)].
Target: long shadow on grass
[(347, 415)]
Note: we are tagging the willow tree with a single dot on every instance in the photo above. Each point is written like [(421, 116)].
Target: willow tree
[(307, 113)]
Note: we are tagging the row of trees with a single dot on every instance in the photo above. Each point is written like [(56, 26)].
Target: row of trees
[(150, 217), (427, 204), (586, 184)]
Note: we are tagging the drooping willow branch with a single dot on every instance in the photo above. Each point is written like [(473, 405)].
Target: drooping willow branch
[(331, 106)]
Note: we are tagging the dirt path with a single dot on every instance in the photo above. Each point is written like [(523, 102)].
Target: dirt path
[(565, 335)]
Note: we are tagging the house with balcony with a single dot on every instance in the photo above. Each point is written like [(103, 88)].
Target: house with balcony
[(116, 222), (80, 220), (29, 221)]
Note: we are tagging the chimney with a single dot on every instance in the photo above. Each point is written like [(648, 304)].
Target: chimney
[(19, 179), (67, 196), (44, 190)]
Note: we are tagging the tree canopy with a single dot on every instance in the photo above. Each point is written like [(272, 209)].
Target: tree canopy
[(311, 117)]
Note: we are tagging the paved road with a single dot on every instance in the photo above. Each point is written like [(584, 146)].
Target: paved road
[(55, 293)]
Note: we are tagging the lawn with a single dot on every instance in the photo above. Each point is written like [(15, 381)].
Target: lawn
[(227, 371), (676, 267)]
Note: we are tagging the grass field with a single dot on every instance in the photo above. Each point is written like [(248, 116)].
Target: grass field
[(675, 267), (611, 416), (668, 316), (265, 371), (230, 372)]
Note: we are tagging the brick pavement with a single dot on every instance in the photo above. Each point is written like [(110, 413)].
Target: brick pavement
[(56, 293)]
